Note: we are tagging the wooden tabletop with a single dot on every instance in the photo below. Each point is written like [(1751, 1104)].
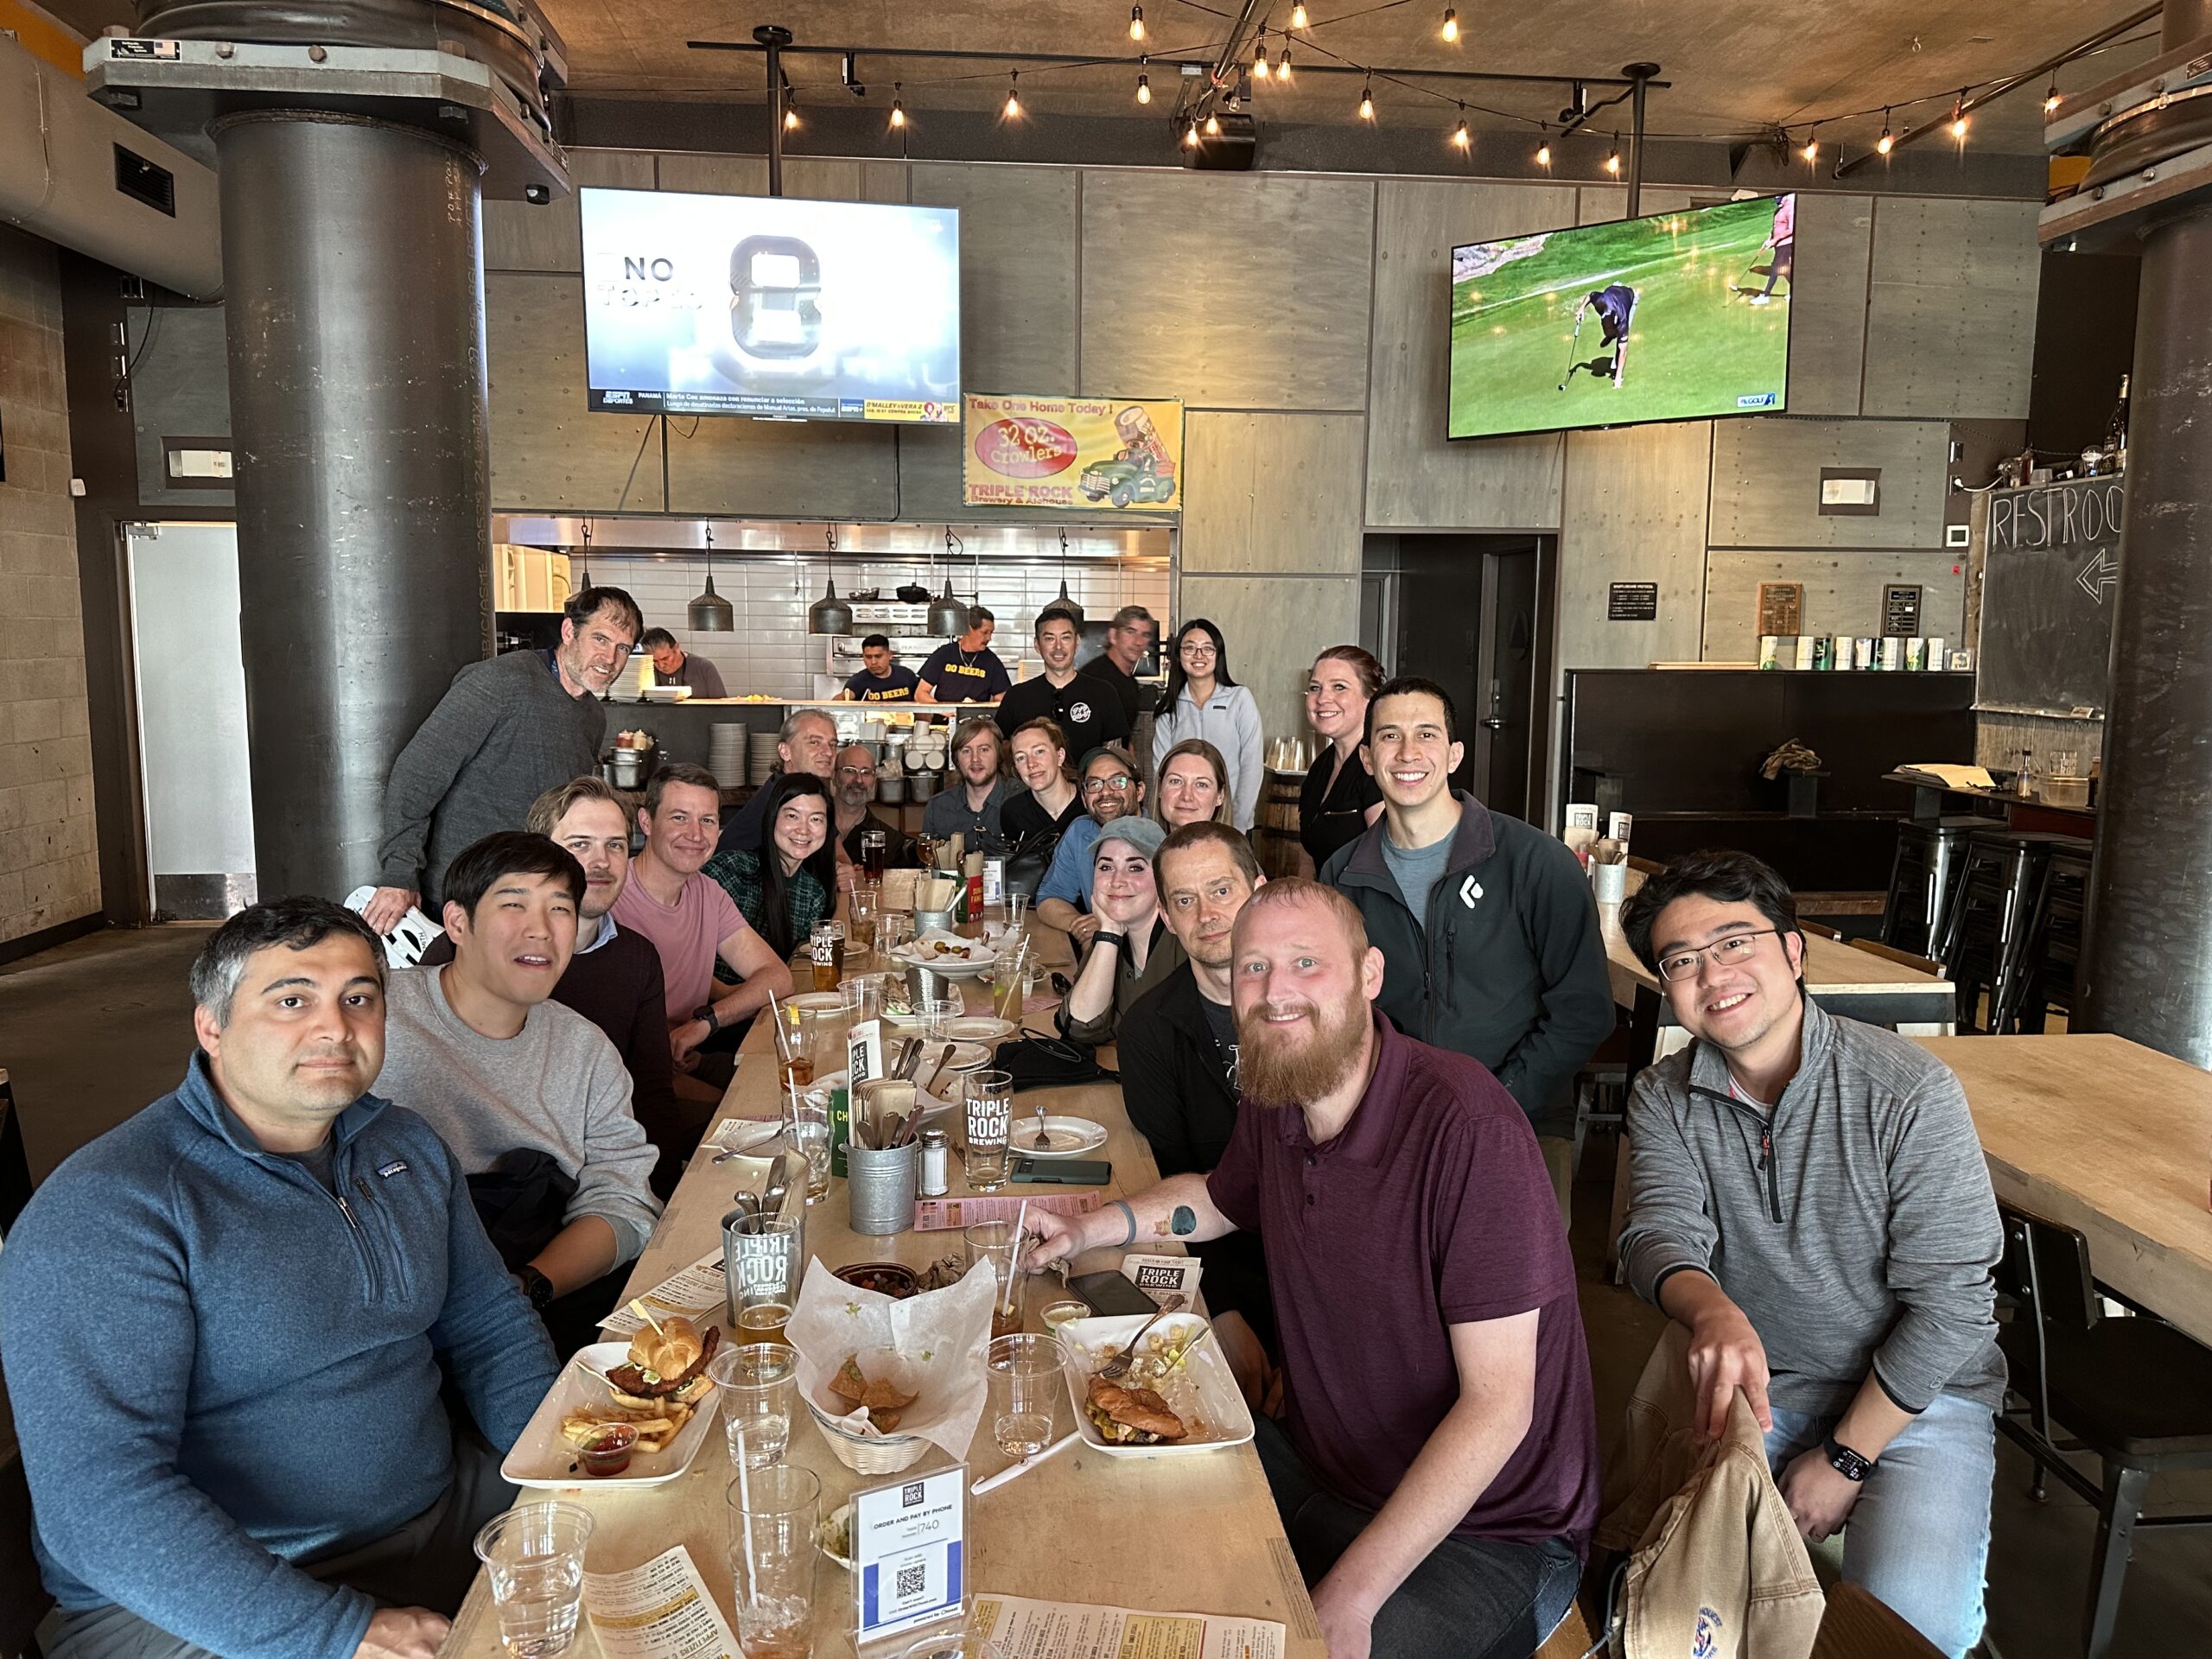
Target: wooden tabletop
[(1193, 1535), (2111, 1138), (1832, 968)]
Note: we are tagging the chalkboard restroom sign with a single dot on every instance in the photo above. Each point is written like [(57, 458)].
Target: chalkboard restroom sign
[(2049, 571)]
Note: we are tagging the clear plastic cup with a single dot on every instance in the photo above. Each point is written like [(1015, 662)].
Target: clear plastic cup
[(994, 1242), (954, 1644), (938, 1012), (1025, 1369), (759, 1385), (534, 1555), (773, 1514)]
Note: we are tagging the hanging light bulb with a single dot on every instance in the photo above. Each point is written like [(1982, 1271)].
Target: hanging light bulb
[(1613, 157), (1959, 115), (1282, 63), (1144, 82), (791, 110), (1136, 23), (2050, 99), (1260, 58), (1213, 126), (1013, 111), (1461, 138), (1298, 15), (1885, 144), (1544, 149), (1366, 102), (898, 107), (1451, 30), (1191, 137), (1812, 151)]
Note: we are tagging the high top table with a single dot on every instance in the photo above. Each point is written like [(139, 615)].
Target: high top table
[(1170, 1535), (2107, 1137)]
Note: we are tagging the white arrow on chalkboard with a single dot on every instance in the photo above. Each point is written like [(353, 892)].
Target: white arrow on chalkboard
[(2096, 575)]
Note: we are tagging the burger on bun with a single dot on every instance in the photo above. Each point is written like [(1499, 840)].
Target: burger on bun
[(1131, 1416), (667, 1365)]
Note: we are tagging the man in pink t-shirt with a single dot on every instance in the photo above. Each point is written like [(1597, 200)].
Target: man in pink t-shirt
[(689, 918)]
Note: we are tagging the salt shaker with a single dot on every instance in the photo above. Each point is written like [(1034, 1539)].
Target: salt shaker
[(933, 1182)]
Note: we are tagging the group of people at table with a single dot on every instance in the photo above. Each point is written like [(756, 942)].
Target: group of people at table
[(267, 1341)]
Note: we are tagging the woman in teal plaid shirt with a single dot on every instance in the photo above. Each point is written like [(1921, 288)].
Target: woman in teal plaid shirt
[(778, 897)]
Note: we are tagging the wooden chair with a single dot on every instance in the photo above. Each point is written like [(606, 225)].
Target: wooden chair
[(2137, 1392), (1819, 930), (1890, 953)]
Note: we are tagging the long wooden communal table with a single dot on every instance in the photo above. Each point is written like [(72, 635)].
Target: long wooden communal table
[(2108, 1137), (1174, 1534)]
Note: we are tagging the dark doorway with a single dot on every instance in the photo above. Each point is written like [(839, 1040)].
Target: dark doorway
[(1472, 614)]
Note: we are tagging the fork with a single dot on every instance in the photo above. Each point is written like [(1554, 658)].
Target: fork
[(1044, 1142), (1118, 1366)]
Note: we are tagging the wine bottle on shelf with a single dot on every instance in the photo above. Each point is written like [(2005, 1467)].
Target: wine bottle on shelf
[(2116, 433)]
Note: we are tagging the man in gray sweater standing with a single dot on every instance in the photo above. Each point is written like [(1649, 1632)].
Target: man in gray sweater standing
[(1806, 1195), (506, 730)]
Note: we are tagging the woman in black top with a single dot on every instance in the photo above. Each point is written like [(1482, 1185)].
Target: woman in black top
[(1050, 802), (1340, 798)]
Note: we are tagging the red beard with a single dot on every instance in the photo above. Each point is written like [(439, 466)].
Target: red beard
[(1279, 1065)]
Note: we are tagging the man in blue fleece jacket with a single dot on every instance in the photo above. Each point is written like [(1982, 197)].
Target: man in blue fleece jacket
[(224, 1326)]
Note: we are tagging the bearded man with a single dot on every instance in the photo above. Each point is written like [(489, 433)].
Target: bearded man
[(1439, 1479)]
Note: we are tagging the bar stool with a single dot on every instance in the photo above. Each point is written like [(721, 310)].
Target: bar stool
[(2052, 955), (1923, 880), (1984, 946)]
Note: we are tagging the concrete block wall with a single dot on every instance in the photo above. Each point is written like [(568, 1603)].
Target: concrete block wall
[(49, 872)]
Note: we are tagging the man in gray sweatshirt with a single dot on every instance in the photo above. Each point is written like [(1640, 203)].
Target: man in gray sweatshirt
[(1808, 1195), (531, 1096), (506, 730)]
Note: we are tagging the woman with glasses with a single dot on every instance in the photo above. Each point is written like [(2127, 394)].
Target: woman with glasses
[(1340, 798), (779, 898), (1193, 786), (1202, 700)]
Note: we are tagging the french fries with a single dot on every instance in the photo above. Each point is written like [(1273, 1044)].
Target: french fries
[(656, 1428)]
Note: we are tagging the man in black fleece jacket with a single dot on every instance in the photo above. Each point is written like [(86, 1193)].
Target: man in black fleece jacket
[(1486, 925)]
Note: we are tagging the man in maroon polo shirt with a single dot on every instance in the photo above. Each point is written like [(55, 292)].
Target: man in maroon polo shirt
[(1439, 1479)]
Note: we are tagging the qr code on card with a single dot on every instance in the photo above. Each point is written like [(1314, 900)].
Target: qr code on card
[(912, 1581)]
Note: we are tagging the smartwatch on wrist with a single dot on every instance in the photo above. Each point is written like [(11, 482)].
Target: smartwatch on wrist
[(535, 1285), (706, 1011), (1846, 1462)]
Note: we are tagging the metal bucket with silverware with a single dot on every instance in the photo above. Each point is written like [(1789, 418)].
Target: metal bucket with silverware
[(881, 1163)]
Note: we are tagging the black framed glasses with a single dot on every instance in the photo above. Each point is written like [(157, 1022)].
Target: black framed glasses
[(1121, 783), (1730, 953)]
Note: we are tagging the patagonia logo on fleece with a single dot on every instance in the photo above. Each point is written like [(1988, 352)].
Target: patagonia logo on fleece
[(397, 1167)]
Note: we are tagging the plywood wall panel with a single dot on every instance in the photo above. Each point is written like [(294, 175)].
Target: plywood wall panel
[(1633, 509), (1275, 627), (1018, 258), (1951, 308), (1843, 593), (774, 469), (1272, 493), (1228, 291), (549, 454), (518, 235), (1766, 482), (1827, 302), (1415, 479)]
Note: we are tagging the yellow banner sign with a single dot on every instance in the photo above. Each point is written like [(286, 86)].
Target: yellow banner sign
[(1080, 455)]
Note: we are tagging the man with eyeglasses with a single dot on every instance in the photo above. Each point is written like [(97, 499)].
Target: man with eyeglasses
[(1808, 1195), (855, 793), (1110, 790), (507, 729)]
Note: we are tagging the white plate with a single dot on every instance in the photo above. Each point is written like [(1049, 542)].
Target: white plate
[(1071, 1136), (916, 954), (668, 693), (980, 1028), (748, 1136), (543, 1456), (965, 1057), (1203, 1394), (818, 1001)]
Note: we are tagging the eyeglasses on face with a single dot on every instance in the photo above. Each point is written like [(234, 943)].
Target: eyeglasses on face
[(1731, 952), (1198, 648), (1119, 783), (856, 771)]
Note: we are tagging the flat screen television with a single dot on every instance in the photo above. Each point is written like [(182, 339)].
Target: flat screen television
[(1676, 316), (771, 306)]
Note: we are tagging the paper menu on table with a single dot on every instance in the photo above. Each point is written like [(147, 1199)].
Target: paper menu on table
[(699, 1288), (1063, 1629), (660, 1610)]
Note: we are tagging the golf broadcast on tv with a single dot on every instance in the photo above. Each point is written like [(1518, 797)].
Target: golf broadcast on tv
[(1673, 317)]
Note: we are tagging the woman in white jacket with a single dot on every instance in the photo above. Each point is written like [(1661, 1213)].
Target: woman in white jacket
[(1201, 699)]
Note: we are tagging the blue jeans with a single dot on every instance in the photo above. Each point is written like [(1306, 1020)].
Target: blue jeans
[(1918, 1537), (1471, 1599)]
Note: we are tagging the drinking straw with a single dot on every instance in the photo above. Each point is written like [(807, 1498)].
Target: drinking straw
[(745, 1505), (1021, 1217), (776, 1017)]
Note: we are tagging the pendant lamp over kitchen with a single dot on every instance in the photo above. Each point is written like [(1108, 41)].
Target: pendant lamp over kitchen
[(948, 618), (711, 613), (1065, 602), (830, 614), (583, 561)]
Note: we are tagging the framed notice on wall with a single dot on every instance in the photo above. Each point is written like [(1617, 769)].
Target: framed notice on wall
[(1081, 455), (1633, 602), (1782, 608), (1901, 609)]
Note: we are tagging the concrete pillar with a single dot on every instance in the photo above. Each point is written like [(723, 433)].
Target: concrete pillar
[(353, 278), (2148, 971)]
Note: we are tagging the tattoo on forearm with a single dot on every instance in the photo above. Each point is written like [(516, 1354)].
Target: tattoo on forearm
[(1184, 1222)]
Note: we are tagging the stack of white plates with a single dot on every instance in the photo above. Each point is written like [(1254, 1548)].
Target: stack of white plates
[(726, 751), (764, 757)]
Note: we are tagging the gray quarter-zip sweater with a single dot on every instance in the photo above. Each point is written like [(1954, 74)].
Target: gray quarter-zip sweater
[(1856, 1228)]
